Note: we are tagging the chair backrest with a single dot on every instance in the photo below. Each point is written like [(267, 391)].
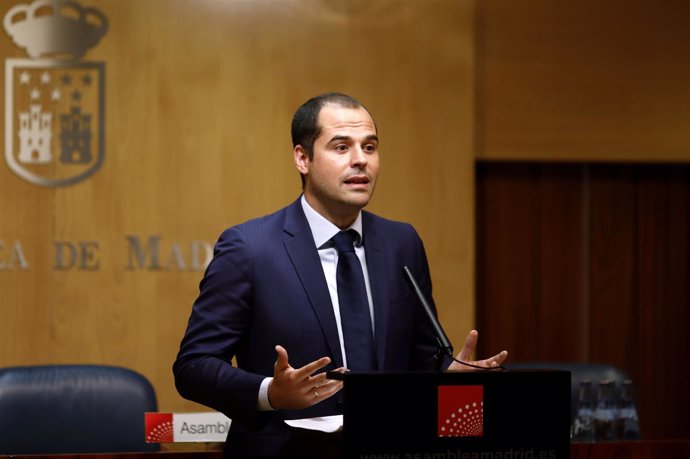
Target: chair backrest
[(593, 372), (73, 409)]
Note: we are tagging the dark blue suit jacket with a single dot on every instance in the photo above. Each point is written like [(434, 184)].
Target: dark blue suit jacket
[(265, 286)]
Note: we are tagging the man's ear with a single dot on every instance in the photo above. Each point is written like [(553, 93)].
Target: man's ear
[(301, 159)]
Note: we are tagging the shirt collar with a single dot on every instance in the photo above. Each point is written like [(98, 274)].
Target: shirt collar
[(323, 230)]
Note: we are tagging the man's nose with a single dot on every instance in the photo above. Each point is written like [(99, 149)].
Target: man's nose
[(359, 157)]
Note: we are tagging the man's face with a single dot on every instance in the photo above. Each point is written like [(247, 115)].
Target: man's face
[(340, 179)]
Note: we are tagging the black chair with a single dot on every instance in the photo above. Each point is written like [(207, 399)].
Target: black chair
[(593, 372), (73, 409)]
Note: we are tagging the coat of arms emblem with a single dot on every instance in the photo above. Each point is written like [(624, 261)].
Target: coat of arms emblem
[(54, 101)]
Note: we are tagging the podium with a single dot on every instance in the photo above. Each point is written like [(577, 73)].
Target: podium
[(511, 414)]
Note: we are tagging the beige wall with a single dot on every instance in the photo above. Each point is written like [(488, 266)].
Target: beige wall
[(198, 100)]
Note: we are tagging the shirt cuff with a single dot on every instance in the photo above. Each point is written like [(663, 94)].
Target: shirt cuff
[(264, 404)]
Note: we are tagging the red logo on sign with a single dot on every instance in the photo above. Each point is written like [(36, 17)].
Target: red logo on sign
[(159, 427), (460, 411)]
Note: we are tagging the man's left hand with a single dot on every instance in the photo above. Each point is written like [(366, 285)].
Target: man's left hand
[(468, 350)]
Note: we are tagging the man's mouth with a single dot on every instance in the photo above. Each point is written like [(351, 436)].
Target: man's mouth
[(357, 180)]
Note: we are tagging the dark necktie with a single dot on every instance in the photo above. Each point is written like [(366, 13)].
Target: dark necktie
[(354, 305)]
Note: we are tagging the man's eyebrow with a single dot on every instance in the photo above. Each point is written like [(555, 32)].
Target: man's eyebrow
[(338, 138)]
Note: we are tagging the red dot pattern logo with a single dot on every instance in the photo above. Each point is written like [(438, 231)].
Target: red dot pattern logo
[(159, 428), (460, 411)]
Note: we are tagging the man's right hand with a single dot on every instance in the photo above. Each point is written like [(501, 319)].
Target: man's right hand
[(295, 388)]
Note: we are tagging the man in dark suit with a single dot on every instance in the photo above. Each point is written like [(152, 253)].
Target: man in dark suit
[(271, 299)]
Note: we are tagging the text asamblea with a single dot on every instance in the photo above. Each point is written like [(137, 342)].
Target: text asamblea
[(196, 429)]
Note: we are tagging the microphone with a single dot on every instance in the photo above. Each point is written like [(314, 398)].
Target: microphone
[(444, 346)]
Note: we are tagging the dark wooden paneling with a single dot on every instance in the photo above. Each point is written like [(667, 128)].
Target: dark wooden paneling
[(672, 357), (611, 264), (510, 253), (560, 322), (580, 262), (662, 291), (522, 249)]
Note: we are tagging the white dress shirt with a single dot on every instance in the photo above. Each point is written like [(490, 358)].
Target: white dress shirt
[(323, 230)]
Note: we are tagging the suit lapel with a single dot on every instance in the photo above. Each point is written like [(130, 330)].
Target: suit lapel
[(378, 269), (305, 259)]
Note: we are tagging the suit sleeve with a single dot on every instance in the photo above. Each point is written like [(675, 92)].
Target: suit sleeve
[(220, 316)]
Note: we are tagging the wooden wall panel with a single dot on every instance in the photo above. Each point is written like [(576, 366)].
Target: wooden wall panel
[(561, 297), (528, 227), (612, 263), (663, 296), (583, 81), (508, 248), (198, 102), (594, 82), (608, 275)]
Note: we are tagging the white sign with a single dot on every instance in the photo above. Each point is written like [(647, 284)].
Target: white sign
[(186, 427)]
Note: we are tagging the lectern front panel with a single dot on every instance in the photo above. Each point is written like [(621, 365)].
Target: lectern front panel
[(513, 414)]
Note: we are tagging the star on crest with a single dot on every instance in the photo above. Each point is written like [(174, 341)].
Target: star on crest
[(55, 95), (24, 77), (35, 94), (76, 96), (45, 78)]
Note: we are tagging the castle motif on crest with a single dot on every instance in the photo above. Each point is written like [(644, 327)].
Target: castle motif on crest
[(75, 137), (35, 134)]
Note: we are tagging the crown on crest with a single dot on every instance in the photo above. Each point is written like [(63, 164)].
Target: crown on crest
[(55, 28)]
